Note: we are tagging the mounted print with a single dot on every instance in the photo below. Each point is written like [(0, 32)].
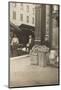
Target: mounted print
[(33, 44)]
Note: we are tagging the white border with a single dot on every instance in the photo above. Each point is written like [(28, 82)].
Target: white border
[(4, 44)]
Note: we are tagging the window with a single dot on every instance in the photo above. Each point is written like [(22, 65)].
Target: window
[(14, 15), (21, 6), (27, 8), (21, 17), (33, 10), (27, 19), (32, 20), (14, 4)]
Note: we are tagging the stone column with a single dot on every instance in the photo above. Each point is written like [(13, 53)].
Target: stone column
[(55, 27), (40, 24), (38, 53), (47, 26), (50, 26), (43, 23)]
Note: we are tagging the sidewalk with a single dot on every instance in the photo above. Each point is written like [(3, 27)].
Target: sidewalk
[(22, 73)]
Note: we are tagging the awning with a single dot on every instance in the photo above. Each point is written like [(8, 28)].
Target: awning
[(27, 27), (14, 27)]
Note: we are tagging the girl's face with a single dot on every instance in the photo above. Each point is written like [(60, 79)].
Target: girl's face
[(30, 36), (14, 35)]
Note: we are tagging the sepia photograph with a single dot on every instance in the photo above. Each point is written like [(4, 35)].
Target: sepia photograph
[(33, 44)]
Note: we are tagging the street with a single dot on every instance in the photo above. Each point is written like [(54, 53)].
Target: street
[(23, 73)]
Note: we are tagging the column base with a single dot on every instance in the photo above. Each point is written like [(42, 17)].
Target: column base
[(39, 55)]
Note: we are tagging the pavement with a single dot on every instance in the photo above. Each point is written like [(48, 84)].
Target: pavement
[(23, 73)]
